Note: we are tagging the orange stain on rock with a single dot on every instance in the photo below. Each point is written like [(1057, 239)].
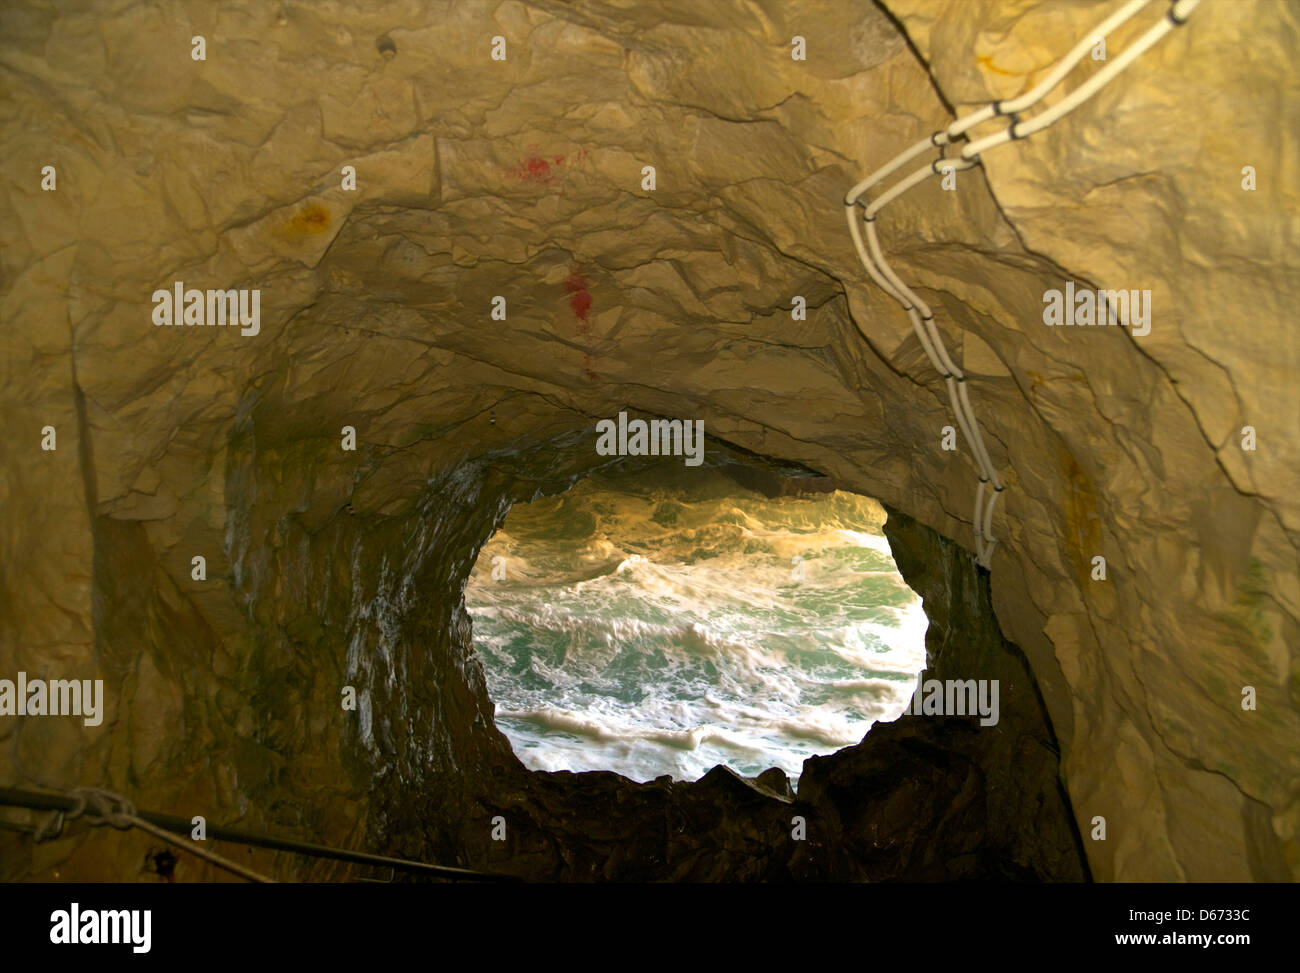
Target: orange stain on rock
[(310, 221), (987, 62), (1082, 522)]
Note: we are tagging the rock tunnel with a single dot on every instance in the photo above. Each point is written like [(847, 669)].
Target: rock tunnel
[(463, 267)]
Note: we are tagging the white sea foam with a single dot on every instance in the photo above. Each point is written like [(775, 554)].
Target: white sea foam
[(664, 634)]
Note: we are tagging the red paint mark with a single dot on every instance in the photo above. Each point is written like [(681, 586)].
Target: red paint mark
[(581, 304), (532, 169), (543, 169), (579, 293), (579, 299)]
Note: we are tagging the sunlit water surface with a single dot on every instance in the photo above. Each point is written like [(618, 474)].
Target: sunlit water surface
[(666, 633)]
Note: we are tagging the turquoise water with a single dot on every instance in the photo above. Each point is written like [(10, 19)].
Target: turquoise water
[(664, 632)]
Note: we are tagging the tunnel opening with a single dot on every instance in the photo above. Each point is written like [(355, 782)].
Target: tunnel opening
[(662, 621)]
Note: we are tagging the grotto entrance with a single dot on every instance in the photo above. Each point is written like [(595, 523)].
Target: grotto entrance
[(663, 621)]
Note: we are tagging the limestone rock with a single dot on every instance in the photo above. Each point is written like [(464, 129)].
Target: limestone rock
[(523, 179)]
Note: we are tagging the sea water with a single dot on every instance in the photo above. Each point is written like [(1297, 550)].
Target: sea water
[(652, 630)]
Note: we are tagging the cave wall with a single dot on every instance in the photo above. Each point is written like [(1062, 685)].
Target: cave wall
[(1199, 533), (374, 600), (523, 179)]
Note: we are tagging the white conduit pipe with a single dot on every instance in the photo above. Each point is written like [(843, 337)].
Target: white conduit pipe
[(889, 289), (914, 179), (939, 358), (1177, 14), (942, 362), (963, 420), (923, 324), (938, 351), (922, 335), (988, 522), (1027, 100), (890, 166), (955, 381), (987, 461), (958, 397), (858, 245), (917, 310), (1067, 63)]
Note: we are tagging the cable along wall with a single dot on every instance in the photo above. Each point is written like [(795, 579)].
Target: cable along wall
[(990, 485)]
